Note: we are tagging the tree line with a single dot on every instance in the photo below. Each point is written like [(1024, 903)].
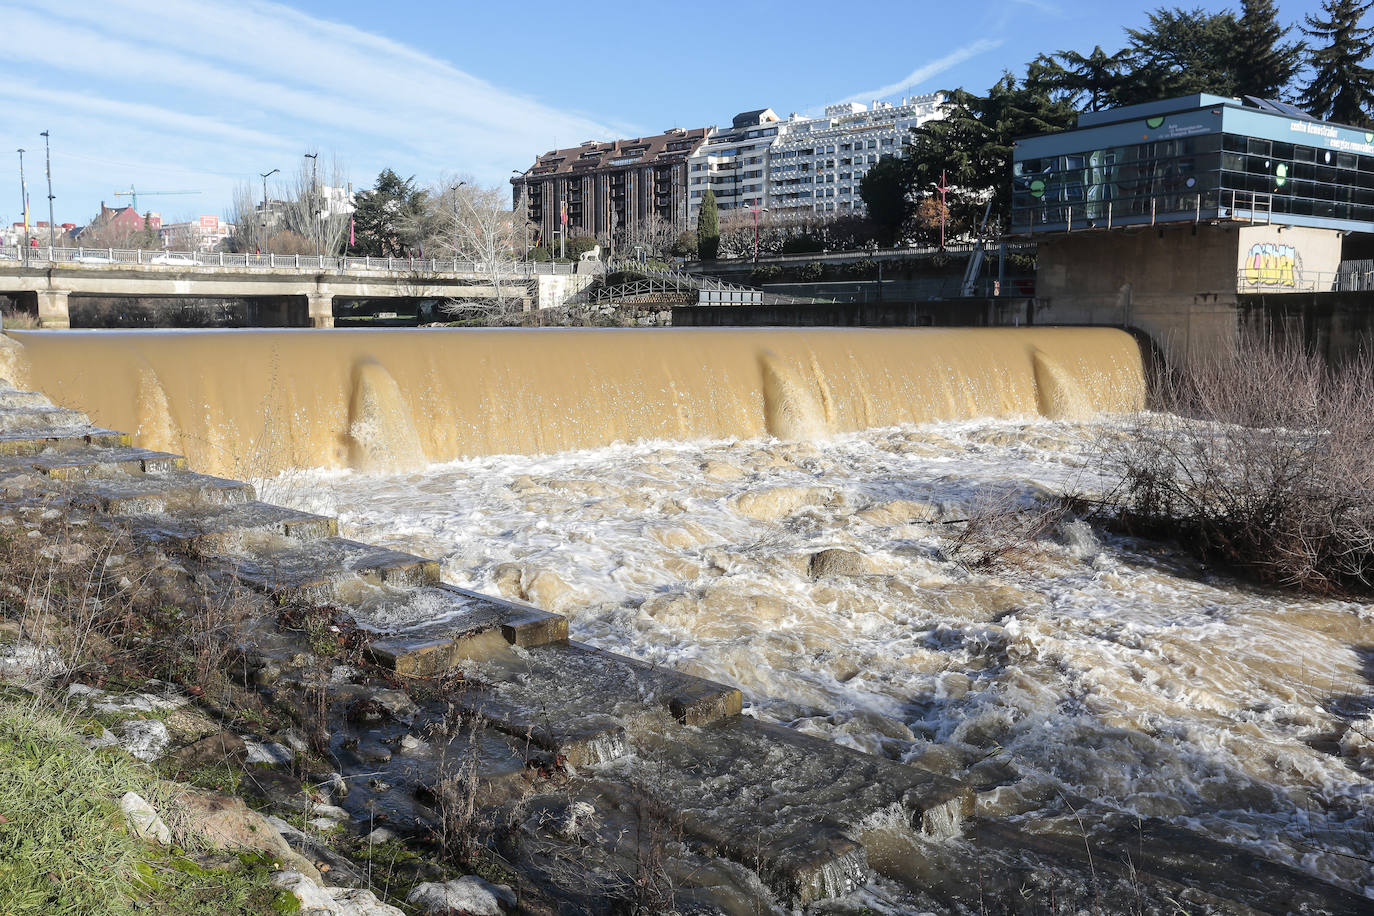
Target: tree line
[(1179, 52)]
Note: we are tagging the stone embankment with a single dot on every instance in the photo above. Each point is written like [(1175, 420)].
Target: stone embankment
[(592, 777)]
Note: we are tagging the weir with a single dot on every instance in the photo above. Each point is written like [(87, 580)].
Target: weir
[(251, 403)]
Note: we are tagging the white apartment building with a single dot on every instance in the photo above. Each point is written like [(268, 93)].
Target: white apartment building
[(803, 165), (733, 162), (817, 163), (205, 233)]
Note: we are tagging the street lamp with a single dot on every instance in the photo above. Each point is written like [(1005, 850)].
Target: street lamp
[(24, 204), (262, 241), (454, 189), (524, 206), (756, 210), (311, 206), (47, 156)]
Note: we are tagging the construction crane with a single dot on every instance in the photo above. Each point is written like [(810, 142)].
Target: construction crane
[(133, 195)]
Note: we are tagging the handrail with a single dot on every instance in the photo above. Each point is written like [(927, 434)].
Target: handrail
[(202, 260)]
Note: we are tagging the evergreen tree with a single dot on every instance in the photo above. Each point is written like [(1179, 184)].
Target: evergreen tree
[(385, 217), (708, 227), (886, 192), (1182, 52), (1264, 63), (1092, 82), (1340, 88)]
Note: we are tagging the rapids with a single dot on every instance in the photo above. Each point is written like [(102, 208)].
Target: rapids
[(1100, 670)]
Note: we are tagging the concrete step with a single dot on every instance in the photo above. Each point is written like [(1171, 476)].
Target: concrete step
[(34, 441), (41, 417), (583, 703), (221, 529), (14, 398), (320, 564), (99, 462), (150, 493), (461, 621), (795, 808)]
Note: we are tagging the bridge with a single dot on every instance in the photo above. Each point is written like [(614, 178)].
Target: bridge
[(44, 279)]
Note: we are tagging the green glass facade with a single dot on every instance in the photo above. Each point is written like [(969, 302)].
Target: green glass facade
[(1215, 160)]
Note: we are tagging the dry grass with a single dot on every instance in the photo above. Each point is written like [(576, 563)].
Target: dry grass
[(1261, 459)]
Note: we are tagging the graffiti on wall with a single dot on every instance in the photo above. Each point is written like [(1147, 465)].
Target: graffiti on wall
[(1270, 264)]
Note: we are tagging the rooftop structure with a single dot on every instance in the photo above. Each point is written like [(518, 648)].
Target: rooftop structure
[(1193, 159)]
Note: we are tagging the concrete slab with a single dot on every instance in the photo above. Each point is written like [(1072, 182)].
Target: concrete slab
[(435, 648), (584, 703), (100, 462), (156, 493), (40, 417), (60, 438), (214, 528), (789, 805), (319, 564)]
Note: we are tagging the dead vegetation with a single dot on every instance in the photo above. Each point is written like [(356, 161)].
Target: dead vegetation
[(1260, 459)]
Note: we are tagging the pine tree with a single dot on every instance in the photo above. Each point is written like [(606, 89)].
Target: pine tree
[(708, 227), (1182, 52), (1264, 63), (1340, 89)]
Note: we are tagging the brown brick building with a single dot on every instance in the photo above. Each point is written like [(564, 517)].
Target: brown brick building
[(606, 187)]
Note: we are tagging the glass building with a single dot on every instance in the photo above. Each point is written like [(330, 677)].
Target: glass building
[(1192, 159)]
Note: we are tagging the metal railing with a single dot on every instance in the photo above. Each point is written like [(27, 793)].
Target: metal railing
[(1145, 210), (209, 261), (1284, 278)]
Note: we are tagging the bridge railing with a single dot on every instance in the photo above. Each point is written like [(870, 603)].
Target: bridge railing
[(211, 260)]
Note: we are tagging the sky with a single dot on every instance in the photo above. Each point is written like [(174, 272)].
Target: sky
[(203, 95)]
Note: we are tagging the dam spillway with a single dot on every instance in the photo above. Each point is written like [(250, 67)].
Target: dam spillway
[(250, 403)]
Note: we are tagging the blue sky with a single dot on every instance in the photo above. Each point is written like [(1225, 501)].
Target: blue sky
[(199, 95)]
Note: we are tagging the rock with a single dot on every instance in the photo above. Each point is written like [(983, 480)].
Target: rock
[(330, 812), (577, 820), (223, 747), (27, 663), (837, 561), (269, 753), (398, 704), (267, 675), (145, 739), (330, 785), (331, 901), (143, 820), (774, 503), (380, 835), (468, 894), (294, 740), (224, 822), (411, 744)]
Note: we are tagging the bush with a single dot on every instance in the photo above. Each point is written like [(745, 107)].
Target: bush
[(764, 273), (802, 244), (810, 272), (579, 245), (862, 269), (1260, 460)]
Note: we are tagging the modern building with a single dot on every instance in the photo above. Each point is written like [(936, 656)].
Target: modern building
[(1172, 217), (598, 188), (817, 163), (733, 162), (205, 233), (1191, 159), (796, 165)]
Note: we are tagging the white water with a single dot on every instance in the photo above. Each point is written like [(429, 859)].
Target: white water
[(1102, 669)]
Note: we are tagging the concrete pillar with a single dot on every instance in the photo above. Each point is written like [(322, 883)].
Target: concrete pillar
[(52, 309), (321, 307)]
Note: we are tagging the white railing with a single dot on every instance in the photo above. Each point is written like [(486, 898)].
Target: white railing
[(43, 256)]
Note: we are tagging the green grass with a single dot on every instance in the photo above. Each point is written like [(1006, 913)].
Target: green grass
[(64, 848)]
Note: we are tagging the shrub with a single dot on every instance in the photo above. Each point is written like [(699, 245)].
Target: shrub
[(810, 272), (802, 244), (708, 227), (764, 273), (1260, 460)]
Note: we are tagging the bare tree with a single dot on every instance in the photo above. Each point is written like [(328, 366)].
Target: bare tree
[(473, 223), (315, 206), (243, 215)]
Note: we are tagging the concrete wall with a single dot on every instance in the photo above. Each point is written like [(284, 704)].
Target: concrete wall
[(942, 313), (1176, 284), (1339, 326)]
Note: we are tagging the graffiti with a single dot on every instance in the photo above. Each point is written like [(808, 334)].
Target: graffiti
[(1269, 264)]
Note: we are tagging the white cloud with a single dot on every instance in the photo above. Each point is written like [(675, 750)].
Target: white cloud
[(250, 84), (928, 71)]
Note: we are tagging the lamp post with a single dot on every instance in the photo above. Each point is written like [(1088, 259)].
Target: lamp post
[(756, 210), (262, 239), (454, 189), (311, 205), (524, 207), (47, 156), (24, 205)]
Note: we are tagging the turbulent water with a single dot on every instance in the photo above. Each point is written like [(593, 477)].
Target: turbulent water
[(1082, 667)]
